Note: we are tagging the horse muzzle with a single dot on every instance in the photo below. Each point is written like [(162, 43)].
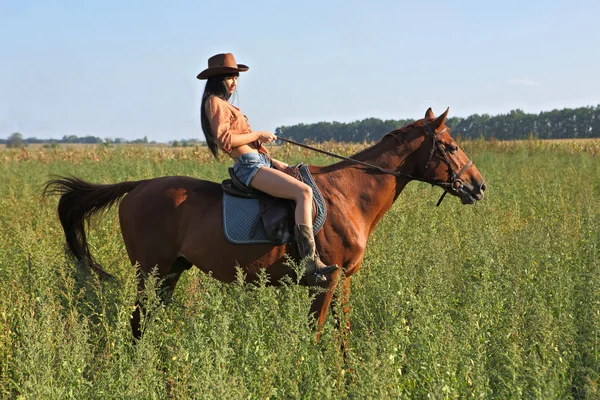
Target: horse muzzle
[(470, 193)]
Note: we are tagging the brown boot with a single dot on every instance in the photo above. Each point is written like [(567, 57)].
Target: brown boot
[(315, 269)]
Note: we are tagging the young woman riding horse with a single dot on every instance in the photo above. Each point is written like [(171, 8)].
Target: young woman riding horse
[(226, 128), (175, 222)]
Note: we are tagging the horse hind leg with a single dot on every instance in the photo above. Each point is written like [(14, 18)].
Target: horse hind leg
[(167, 287), (168, 281)]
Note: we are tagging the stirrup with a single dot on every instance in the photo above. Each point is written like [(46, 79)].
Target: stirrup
[(320, 276), (327, 270), (314, 279)]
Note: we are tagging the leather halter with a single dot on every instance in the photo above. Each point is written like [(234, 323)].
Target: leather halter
[(455, 182)]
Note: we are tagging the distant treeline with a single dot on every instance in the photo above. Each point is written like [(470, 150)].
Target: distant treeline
[(16, 140), (71, 139), (583, 122)]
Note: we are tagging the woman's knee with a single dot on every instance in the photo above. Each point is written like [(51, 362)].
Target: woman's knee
[(304, 192)]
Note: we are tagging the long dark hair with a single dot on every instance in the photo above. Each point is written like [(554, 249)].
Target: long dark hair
[(215, 86)]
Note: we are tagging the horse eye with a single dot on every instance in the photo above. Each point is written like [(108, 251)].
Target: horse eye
[(452, 149)]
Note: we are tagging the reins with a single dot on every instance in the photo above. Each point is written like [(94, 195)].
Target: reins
[(455, 177), (352, 160)]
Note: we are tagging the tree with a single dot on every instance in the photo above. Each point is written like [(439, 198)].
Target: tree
[(15, 140)]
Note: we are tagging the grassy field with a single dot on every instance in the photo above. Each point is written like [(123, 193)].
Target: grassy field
[(497, 300)]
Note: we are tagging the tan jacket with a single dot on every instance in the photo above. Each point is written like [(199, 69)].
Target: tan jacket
[(227, 120)]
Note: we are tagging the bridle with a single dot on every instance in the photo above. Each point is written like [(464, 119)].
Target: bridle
[(455, 182)]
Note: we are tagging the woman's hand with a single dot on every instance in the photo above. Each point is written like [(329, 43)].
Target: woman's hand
[(266, 137), (280, 165)]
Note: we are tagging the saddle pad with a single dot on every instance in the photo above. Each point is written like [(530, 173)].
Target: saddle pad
[(239, 214)]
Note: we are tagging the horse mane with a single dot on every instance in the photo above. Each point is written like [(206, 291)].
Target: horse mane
[(372, 152)]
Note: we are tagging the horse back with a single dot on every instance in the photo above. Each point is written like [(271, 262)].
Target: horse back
[(172, 202)]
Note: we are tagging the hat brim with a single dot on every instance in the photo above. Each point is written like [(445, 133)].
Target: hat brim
[(208, 72)]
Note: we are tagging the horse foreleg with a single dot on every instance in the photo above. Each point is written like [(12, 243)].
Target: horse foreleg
[(343, 322), (322, 301)]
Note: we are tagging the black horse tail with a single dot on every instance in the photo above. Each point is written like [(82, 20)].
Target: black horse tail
[(79, 200)]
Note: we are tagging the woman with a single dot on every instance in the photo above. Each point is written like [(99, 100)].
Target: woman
[(226, 128)]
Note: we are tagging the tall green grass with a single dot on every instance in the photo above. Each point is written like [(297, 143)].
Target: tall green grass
[(497, 300)]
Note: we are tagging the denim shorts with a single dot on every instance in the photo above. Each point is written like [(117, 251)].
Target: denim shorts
[(247, 166)]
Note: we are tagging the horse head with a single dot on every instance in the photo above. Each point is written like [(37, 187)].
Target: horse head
[(441, 161)]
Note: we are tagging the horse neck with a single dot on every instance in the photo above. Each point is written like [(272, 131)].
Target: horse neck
[(373, 191)]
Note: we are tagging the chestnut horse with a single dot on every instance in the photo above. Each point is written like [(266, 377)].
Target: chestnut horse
[(175, 222)]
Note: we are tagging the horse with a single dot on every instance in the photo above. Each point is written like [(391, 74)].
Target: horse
[(175, 222)]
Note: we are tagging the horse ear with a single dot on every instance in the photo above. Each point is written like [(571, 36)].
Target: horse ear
[(429, 113), (440, 120)]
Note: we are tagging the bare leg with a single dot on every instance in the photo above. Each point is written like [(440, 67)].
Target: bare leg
[(279, 184)]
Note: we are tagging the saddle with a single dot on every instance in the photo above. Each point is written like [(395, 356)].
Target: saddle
[(276, 214)]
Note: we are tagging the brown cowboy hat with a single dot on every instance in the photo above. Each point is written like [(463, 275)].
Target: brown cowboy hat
[(221, 64)]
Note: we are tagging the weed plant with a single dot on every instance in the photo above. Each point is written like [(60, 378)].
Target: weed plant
[(497, 300)]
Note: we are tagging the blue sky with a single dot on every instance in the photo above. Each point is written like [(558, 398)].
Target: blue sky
[(127, 68)]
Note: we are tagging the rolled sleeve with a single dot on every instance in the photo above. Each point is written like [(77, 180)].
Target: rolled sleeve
[(219, 117)]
